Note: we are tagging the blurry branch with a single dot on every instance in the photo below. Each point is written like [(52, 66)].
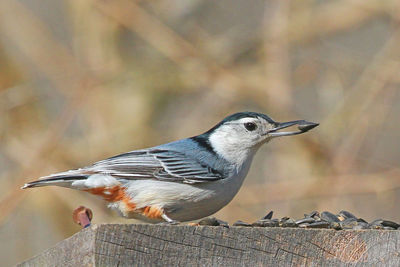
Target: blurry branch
[(37, 43), (346, 155), (276, 50), (196, 65), (96, 46), (35, 161), (48, 58), (383, 69), (324, 19), (52, 59), (157, 34), (333, 186), (335, 16)]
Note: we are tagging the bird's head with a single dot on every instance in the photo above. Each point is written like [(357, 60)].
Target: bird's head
[(241, 134)]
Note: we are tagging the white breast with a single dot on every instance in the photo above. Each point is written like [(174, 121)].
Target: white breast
[(186, 202)]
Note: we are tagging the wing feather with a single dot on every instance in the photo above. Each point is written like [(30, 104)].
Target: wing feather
[(158, 164)]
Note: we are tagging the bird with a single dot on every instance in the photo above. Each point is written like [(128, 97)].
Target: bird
[(180, 181)]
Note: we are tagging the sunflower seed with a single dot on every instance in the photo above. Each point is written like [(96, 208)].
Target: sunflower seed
[(241, 223), (305, 220), (320, 224), (390, 224), (268, 216), (345, 214), (266, 223), (329, 217)]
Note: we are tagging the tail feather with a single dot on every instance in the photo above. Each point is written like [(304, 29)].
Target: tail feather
[(57, 179)]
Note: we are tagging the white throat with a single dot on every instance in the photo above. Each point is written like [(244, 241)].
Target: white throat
[(232, 150)]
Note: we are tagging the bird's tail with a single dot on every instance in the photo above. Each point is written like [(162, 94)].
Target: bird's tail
[(64, 179)]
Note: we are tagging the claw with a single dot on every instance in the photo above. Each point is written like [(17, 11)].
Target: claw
[(172, 222), (168, 221)]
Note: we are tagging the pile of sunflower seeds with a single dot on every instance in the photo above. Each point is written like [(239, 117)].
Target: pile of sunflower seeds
[(341, 221)]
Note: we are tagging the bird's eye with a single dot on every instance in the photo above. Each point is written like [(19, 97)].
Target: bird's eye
[(250, 126)]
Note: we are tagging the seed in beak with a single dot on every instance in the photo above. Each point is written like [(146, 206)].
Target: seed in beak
[(305, 126)]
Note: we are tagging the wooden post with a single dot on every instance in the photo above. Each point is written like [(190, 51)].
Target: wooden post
[(163, 245)]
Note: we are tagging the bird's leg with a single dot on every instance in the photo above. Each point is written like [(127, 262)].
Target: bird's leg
[(168, 220)]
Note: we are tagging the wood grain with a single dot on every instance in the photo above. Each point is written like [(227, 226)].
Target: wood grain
[(162, 245)]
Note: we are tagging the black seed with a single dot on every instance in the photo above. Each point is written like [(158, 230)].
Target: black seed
[(388, 228), (362, 220), (336, 226), (359, 227), (362, 223), (347, 214), (377, 222), (210, 221), (329, 217), (314, 214), (304, 225), (241, 223), (320, 224), (305, 126), (223, 223), (305, 220), (390, 224), (266, 223), (288, 223), (268, 216), (349, 223)]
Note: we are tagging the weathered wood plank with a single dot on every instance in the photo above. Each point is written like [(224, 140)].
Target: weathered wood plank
[(78, 250), (133, 244)]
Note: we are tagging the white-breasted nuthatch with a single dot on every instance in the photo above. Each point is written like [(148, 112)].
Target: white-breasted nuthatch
[(183, 180)]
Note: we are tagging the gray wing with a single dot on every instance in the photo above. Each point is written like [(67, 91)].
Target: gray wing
[(161, 164)]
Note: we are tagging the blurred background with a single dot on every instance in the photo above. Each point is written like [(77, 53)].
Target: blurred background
[(85, 80)]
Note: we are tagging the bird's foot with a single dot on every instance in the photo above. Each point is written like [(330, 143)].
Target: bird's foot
[(171, 222), (168, 221)]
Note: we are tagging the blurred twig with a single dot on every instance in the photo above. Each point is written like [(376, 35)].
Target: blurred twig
[(276, 58), (35, 163), (334, 16), (51, 59), (374, 183), (381, 70), (196, 65), (47, 54)]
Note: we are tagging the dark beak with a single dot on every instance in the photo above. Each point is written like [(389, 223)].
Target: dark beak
[(302, 126)]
